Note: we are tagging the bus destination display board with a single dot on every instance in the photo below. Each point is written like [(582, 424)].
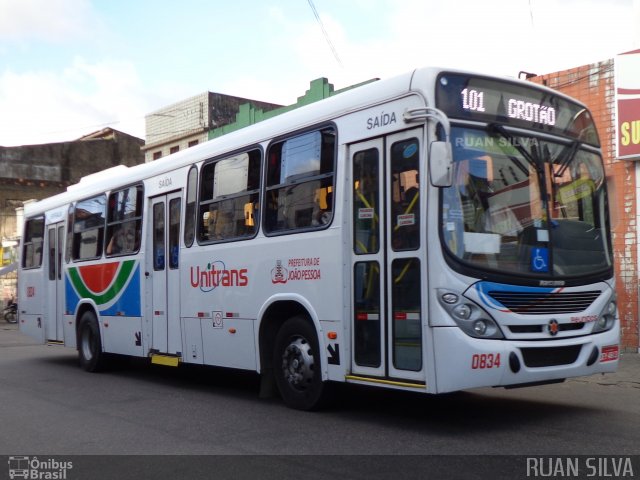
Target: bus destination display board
[(490, 100)]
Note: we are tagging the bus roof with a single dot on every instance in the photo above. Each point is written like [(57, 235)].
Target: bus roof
[(419, 80), (325, 110)]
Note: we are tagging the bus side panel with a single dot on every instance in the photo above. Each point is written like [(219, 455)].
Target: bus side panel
[(192, 351), (114, 288), (33, 325), (230, 342), (69, 328), (227, 285), (31, 303), (337, 349), (122, 335)]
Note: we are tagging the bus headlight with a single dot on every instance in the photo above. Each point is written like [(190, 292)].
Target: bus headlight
[(469, 316), (607, 318), (462, 311), (480, 327)]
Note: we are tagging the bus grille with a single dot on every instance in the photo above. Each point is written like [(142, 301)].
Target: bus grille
[(563, 327), (527, 303), (550, 356)]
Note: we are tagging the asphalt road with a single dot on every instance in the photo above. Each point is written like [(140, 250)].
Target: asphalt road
[(49, 406)]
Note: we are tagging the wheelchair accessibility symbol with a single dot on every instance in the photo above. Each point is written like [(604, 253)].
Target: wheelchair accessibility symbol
[(540, 260)]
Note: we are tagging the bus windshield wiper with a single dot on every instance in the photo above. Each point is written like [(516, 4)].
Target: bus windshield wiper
[(500, 130), (568, 158)]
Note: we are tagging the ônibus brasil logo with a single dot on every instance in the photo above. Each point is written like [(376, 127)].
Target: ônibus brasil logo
[(34, 468)]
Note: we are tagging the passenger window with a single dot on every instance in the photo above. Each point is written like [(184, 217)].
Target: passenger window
[(300, 182), (124, 221), (88, 228), (229, 198), (190, 210), (32, 243)]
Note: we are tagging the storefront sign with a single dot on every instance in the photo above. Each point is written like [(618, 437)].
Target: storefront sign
[(628, 104)]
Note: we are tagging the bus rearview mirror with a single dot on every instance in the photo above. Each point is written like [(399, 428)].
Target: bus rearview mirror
[(440, 161)]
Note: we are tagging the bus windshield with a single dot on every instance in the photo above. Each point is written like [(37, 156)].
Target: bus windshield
[(520, 204)]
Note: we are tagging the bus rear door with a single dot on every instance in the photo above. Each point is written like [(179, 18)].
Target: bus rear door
[(55, 285), (387, 255)]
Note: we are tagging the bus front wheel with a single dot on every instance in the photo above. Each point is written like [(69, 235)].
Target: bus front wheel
[(297, 365), (90, 353)]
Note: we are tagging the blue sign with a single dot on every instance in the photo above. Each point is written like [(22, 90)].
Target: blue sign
[(539, 259)]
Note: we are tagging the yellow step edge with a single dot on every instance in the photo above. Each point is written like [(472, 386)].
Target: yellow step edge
[(385, 382), (165, 360)]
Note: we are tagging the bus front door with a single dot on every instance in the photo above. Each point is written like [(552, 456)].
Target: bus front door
[(387, 259), (163, 264), (55, 291)]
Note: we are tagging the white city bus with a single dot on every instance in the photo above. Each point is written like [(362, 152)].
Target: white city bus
[(431, 232)]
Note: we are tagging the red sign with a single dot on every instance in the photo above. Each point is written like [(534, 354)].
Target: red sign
[(628, 104), (609, 353)]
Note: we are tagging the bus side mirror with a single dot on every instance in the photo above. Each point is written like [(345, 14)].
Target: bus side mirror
[(440, 162)]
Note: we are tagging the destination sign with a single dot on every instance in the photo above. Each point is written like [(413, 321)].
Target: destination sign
[(490, 100)]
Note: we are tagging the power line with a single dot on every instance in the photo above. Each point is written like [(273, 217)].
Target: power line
[(324, 32)]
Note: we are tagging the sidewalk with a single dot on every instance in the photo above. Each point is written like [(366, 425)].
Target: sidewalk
[(10, 336), (628, 374)]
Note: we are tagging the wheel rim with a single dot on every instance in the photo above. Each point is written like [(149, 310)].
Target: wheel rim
[(298, 364), (87, 343)]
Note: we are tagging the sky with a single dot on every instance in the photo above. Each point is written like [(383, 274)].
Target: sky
[(71, 67)]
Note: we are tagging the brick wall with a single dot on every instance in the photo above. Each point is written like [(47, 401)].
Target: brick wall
[(594, 85)]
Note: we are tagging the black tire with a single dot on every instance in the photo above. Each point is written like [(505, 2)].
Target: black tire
[(90, 354), (297, 365), (11, 316)]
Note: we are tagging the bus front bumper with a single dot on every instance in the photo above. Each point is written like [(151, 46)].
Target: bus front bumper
[(463, 362)]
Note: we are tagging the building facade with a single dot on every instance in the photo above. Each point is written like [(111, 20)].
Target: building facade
[(34, 172), (187, 123), (210, 115), (595, 86)]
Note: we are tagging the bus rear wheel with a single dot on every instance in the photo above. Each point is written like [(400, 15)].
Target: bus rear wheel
[(90, 354), (297, 365)]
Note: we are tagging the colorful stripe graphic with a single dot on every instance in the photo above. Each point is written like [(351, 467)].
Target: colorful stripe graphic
[(114, 287)]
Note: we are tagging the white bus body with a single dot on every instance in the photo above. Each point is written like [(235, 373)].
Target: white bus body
[(335, 243)]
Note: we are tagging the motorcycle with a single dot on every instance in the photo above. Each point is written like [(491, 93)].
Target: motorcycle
[(10, 312)]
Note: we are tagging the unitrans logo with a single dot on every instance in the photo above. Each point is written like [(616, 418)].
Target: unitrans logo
[(215, 275), (38, 469)]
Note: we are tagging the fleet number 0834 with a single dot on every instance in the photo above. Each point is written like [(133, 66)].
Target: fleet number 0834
[(485, 360)]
